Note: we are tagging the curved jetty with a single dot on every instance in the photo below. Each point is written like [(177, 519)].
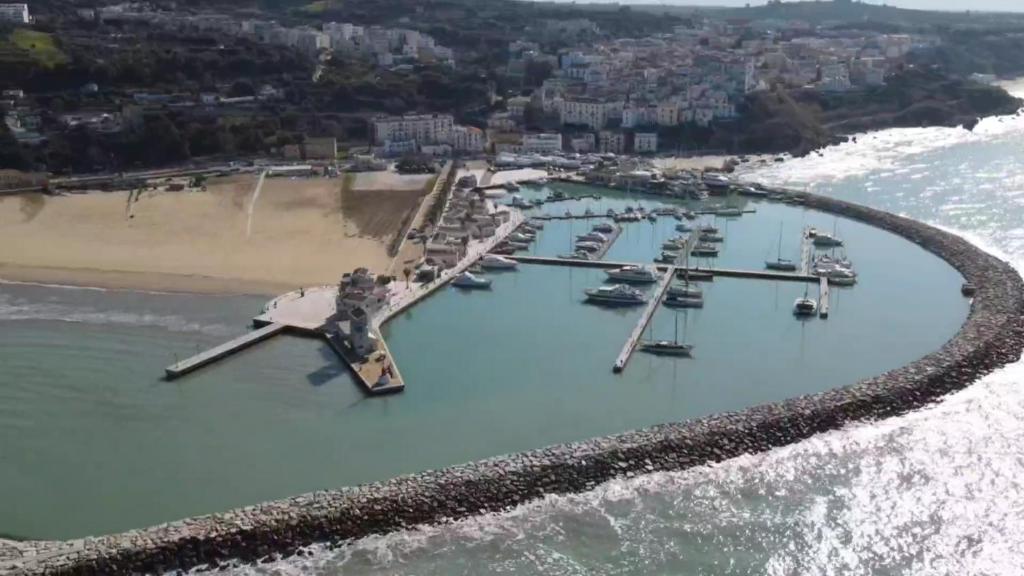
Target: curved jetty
[(992, 336)]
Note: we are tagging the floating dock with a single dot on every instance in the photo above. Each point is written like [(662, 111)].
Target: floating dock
[(823, 295), (226, 349), (806, 251), (645, 319), (724, 272)]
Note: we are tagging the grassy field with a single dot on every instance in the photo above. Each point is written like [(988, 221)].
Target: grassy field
[(40, 47)]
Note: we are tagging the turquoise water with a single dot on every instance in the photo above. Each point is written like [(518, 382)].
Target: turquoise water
[(935, 492), (94, 442)]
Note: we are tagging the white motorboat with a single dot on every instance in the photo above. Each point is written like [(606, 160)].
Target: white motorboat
[(805, 306), (468, 280), (711, 237), (495, 262), (615, 294), (592, 237), (674, 244), (635, 274), (837, 276), (520, 237), (588, 246), (667, 257)]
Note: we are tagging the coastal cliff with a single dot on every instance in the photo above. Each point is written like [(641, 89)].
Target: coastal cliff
[(800, 121)]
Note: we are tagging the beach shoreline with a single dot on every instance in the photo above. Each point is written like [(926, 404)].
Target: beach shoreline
[(127, 281)]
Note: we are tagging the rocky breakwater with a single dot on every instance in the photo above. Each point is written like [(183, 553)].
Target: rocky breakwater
[(992, 336)]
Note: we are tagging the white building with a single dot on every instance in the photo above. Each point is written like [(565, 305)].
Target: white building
[(468, 139), (609, 141), (583, 142), (592, 113), (834, 78), (420, 128), (15, 13), (544, 142), (645, 142)]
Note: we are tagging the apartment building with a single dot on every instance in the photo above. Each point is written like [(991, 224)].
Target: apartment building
[(421, 128)]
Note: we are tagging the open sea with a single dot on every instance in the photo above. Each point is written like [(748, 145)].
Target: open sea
[(935, 492)]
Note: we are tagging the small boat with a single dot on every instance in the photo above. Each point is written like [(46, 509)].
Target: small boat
[(684, 301), (588, 246), (683, 227), (610, 213), (495, 262), (666, 348), (520, 237), (535, 224), (592, 237), (822, 239), (838, 276), (603, 227), (652, 217), (704, 249), (780, 264), (637, 274), (673, 244), (468, 280), (707, 229), (667, 257), (518, 245), (805, 306), (686, 274), (504, 250), (615, 294), (706, 237), (685, 290), (689, 215)]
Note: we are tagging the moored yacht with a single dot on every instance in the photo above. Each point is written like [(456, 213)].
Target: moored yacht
[(637, 274), (495, 262), (603, 227), (683, 227), (615, 294), (667, 348), (704, 249), (685, 290), (684, 301), (805, 306), (468, 280), (780, 264), (822, 239)]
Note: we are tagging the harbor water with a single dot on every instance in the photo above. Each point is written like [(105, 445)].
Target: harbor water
[(934, 492), (89, 426)]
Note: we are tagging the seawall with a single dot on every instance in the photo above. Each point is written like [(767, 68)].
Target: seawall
[(992, 336)]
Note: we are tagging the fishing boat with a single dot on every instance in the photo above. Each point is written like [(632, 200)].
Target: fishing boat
[(496, 262), (618, 294), (469, 280), (780, 263), (635, 274)]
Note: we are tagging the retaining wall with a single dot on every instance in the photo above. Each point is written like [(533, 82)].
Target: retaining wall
[(993, 335)]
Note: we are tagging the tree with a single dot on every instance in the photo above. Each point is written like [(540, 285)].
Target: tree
[(407, 272)]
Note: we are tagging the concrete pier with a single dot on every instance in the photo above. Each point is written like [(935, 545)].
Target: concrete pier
[(806, 252), (823, 294), (367, 371), (226, 349), (724, 272), (645, 319)]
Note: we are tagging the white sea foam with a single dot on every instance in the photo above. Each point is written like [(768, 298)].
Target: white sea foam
[(15, 309)]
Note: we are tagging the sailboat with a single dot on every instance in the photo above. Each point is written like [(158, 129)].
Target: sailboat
[(666, 348), (805, 306), (685, 295), (780, 263)]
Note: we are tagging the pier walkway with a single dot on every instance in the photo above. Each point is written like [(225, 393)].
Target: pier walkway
[(226, 349), (645, 319), (724, 272), (806, 251), (823, 296)]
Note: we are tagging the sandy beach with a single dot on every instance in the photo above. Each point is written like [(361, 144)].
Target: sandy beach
[(297, 232)]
